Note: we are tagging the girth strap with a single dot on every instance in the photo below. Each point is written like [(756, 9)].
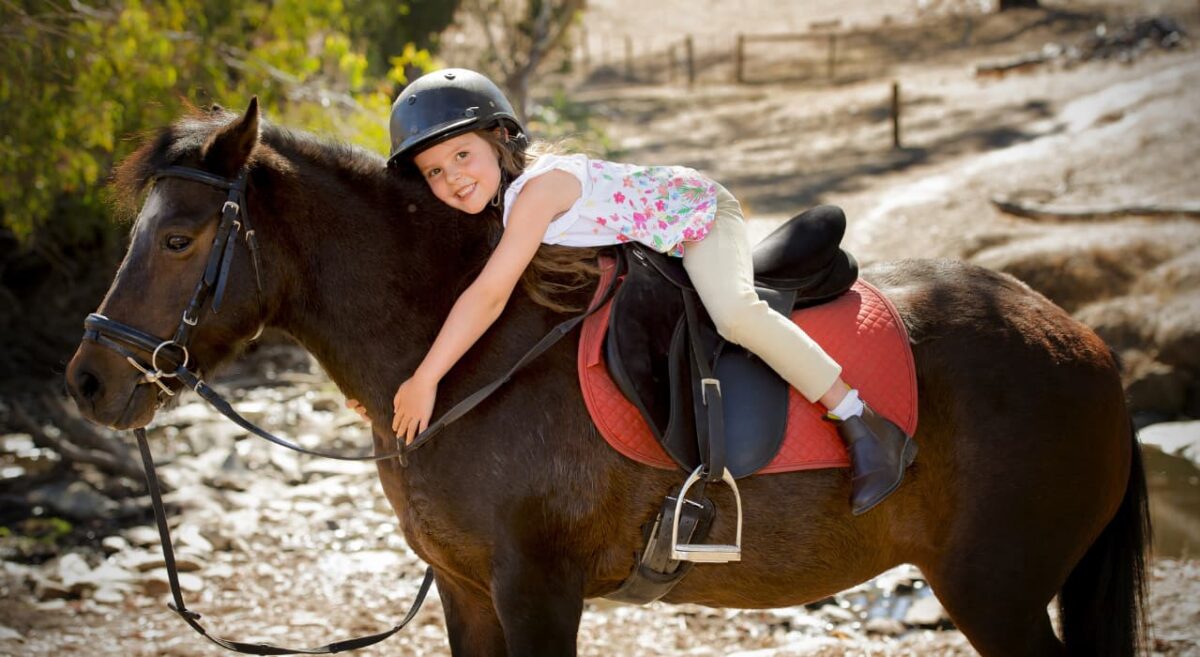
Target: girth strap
[(193, 619)]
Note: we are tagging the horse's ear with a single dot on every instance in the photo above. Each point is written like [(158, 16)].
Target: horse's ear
[(229, 148)]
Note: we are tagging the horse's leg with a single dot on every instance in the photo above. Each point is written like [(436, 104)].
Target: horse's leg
[(539, 602), (471, 622), (998, 615)]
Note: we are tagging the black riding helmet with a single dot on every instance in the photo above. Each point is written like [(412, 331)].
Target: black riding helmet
[(444, 104)]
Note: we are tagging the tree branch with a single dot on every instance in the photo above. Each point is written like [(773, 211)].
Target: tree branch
[(106, 461), (1047, 213)]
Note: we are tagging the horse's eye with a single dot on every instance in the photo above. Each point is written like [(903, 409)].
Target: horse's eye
[(178, 243)]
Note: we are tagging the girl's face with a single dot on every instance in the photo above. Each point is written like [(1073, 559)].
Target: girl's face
[(463, 171)]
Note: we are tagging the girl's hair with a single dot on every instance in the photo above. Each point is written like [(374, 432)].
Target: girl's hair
[(555, 271)]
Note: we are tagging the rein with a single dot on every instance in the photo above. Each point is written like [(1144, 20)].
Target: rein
[(175, 357)]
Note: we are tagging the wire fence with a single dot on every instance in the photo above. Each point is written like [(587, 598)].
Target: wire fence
[(827, 52)]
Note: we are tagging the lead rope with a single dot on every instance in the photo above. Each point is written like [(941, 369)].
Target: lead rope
[(192, 618)]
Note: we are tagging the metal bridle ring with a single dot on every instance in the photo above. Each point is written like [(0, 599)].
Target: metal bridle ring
[(154, 358)]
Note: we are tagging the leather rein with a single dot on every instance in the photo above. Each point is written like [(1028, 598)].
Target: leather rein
[(170, 360)]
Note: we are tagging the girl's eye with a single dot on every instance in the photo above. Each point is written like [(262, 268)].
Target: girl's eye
[(177, 243), (462, 155), (432, 172)]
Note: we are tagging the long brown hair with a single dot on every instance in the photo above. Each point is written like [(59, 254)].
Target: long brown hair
[(555, 271)]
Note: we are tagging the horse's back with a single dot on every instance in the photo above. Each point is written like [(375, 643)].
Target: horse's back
[(1023, 428)]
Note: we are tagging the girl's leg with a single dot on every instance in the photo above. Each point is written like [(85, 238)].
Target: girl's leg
[(722, 272)]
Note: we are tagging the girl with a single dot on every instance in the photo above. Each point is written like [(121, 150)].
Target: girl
[(457, 131)]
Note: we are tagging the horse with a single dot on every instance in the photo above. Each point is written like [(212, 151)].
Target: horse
[(1029, 483)]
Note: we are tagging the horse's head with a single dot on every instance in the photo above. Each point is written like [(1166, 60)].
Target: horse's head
[(187, 291)]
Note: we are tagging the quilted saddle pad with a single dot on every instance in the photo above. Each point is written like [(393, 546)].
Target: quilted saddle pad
[(861, 330)]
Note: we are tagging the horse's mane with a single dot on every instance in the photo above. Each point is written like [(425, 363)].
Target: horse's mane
[(185, 141)]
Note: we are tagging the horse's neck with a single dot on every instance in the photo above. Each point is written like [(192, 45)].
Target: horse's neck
[(368, 288)]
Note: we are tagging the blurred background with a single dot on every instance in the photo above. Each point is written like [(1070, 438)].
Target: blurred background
[(1051, 140)]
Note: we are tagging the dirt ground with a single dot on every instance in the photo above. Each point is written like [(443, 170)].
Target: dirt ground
[(288, 550)]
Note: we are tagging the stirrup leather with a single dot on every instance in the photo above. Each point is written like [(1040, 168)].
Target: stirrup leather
[(701, 553)]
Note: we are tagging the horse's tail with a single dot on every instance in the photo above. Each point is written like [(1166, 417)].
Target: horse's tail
[(1102, 605)]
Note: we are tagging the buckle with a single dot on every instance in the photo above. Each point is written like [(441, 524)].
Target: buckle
[(704, 383)]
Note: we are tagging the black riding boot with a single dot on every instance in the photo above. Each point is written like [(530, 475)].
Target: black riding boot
[(879, 454)]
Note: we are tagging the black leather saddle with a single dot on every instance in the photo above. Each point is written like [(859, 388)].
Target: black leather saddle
[(664, 353)]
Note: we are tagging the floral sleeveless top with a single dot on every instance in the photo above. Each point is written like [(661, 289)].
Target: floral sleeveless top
[(659, 206)]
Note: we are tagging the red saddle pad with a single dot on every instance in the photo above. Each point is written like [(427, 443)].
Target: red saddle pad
[(860, 330)]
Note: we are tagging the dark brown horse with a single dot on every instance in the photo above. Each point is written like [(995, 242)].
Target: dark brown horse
[(1029, 482)]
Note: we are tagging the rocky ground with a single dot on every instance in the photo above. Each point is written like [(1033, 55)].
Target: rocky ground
[(293, 550), (301, 551)]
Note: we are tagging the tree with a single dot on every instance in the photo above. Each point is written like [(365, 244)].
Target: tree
[(79, 83), (520, 36)]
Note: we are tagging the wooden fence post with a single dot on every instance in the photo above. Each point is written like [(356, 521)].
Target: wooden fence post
[(628, 58), (832, 56), (587, 54), (739, 54), (895, 115), (691, 60)]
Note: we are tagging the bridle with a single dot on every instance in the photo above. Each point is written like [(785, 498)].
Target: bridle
[(170, 360), (119, 337)]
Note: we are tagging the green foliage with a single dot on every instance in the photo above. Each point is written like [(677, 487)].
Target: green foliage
[(79, 84)]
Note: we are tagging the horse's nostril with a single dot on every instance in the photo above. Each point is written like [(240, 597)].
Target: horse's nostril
[(87, 384)]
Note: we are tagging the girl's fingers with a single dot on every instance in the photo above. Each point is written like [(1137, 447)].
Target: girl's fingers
[(410, 431)]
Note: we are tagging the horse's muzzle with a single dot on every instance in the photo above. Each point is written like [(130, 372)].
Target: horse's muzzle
[(106, 390)]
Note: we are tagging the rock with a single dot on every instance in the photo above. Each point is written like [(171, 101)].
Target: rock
[(156, 582), (114, 544), (234, 474), (334, 467), (328, 404), (74, 572), (837, 614), (189, 535), (143, 562), (142, 536), (1178, 275), (885, 626), (926, 612), (73, 499), (48, 589), (1124, 322), (1178, 334), (1179, 438), (109, 574), (1152, 385), (110, 595), (9, 634)]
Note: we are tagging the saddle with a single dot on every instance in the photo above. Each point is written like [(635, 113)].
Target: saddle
[(709, 402)]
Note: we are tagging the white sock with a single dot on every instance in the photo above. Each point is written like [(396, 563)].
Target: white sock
[(850, 406)]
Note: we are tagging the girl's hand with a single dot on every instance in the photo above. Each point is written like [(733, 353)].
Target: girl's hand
[(413, 406), (353, 405)]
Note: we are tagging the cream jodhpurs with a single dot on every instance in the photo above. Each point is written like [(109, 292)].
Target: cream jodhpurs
[(722, 272)]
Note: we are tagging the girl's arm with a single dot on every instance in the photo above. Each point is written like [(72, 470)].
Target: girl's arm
[(540, 201)]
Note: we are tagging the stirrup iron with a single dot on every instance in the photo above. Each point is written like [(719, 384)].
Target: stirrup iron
[(698, 552)]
